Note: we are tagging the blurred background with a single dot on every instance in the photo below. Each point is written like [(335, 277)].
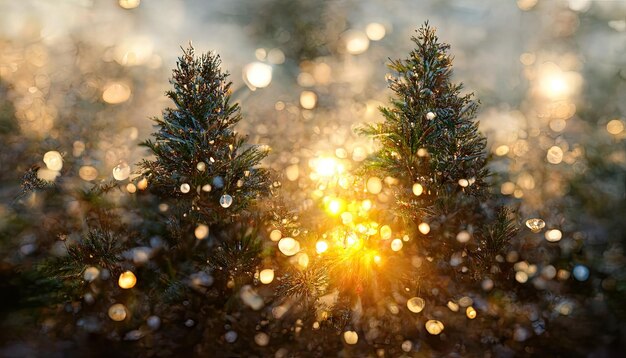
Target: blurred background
[(83, 77)]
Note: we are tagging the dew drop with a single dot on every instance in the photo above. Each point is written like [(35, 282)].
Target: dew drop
[(53, 160), (581, 273), (266, 276), (553, 235), (351, 337), (288, 246), (91, 273), (117, 312), (121, 171), (415, 304), (262, 339), (434, 327), (463, 236), (226, 201), (230, 336), (535, 224), (396, 245)]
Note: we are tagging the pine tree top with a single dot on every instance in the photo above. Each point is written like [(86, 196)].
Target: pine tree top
[(201, 94), (199, 158), (429, 135)]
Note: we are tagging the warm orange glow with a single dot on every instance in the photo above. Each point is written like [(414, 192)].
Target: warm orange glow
[(615, 127), (142, 184), (321, 246), (434, 327), (303, 260), (117, 312), (351, 337), (288, 246), (308, 99), (470, 312), (127, 280), (415, 304), (334, 206), (129, 4), (356, 42), (257, 75), (385, 232), (266, 276), (353, 245), (275, 235), (351, 240), (555, 83), (326, 167), (201, 232), (418, 189), (116, 93), (396, 245), (375, 31)]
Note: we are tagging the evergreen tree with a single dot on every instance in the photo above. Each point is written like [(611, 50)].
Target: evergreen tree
[(429, 141), (201, 164), (138, 266)]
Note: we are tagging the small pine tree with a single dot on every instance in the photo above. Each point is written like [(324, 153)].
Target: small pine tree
[(209, 177), (430, 142), (201, 165)]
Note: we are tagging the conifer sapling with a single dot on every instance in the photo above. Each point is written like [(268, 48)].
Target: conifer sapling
[(200, 162), (430, 142)]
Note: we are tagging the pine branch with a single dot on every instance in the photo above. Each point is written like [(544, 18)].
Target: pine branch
[(493, 239), (31, 182), (98, 248), (174, 290), (60, 279), (238, 253), (307, 284)]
